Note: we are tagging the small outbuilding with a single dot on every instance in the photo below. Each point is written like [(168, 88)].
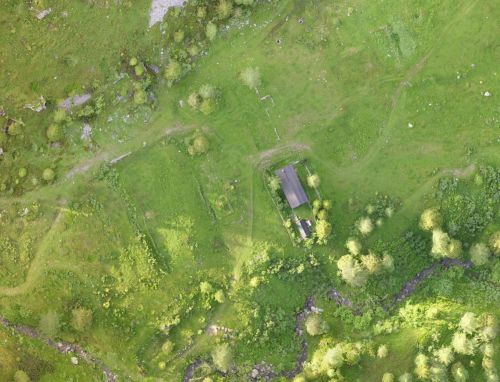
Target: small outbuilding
[(304, 227), (291, 186)]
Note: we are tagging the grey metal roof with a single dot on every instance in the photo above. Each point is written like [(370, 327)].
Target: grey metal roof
[(291, 186)]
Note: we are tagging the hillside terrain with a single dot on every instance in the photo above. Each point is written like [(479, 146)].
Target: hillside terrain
[(247, 190)]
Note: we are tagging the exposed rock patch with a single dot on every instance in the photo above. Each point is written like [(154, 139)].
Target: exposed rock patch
[(159, 9)]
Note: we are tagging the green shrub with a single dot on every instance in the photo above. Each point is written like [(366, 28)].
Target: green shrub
[(388, 377), (48, 175), (444, 246), (382, 351), (495, 243), (444, 355), (313, 181), (406, 377), (140, 97), (479, 254), (173, 71), (322, 230), (179, 36), (422, 366), (208, 91), (201, 12), (15, 128), (54, 133), (459, 372), (60, 116), (461, 344), (139, 70), (167, 347), (351, 271), (21, 376), (469, 323), (353, 246), (133, 61), (372, 263), (430, 219), (211, 31), (194, 100), (315, 325), (365, 226), (207, 106), (224, 8)]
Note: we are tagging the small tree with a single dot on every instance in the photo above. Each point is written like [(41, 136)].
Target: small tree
[(179, 36), (333, 357), (224, 8), (21, 376), (219, 296), (444, 246), (206, 287), (313, 181), (371, 263), (207, 106), (495, 243), (468, 323), (48, 175), (274, 183), (140, 97), (444, 355), (211, 31), (60, 116), (208, 91), (173, 71), (322, 230), (422, 366), (382, 351), (15, 128), (461, 344), (438, 372), (353, 246), (194, 100), (315, 325), (388, 377), (430, 219), (479, 254), (199, 145), (54, 133), (459, 372), (251, 77), (222, 357), (406, 377), (365, 226), (388, 262), (351, 271), (167, 347)]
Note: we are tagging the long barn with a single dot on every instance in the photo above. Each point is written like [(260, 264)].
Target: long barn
[(291, 186)]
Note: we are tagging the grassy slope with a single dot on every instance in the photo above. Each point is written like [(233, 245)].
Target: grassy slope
[(350, 99)]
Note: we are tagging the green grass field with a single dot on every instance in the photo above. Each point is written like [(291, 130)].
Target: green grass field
[(380, 97)]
